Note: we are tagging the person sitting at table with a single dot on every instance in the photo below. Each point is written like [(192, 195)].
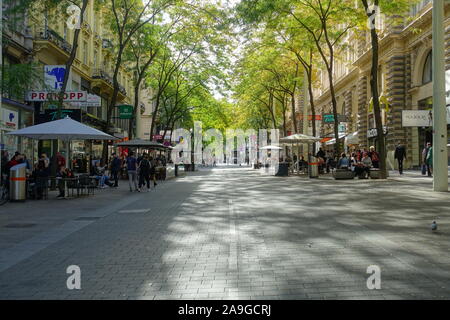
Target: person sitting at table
[(344, 162), (39, 177), (362, 168), (63, 173), (101, 176)]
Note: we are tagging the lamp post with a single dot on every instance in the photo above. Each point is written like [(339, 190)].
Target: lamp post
[(440, 154)]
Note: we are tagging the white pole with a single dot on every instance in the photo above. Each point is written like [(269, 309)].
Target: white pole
[(440, 154)]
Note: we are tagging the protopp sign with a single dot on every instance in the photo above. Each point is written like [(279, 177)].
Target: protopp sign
[(40, 96)]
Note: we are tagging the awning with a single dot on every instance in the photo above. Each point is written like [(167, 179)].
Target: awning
[(333, 141), (352, 138)]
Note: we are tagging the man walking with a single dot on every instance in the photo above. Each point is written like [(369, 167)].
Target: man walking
[(426, 168), (400, 155), (131, 169), (116, 165)]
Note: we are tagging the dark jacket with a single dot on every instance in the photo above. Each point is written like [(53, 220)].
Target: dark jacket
[(116, 163), (400, 153)]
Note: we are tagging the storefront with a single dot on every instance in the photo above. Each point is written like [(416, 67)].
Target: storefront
[(14, 116)]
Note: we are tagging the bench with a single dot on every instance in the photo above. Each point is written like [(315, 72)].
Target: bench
[(343, 174)]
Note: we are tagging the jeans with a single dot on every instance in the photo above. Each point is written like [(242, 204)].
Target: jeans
[(144, 178), (115, 176), (400, 165), (132, 179)]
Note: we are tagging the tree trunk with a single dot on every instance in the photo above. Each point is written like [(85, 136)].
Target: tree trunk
[(294, 120), (113, 101), (375, 94), (337, 146), (135, 109), (69, 64), (313, 106)]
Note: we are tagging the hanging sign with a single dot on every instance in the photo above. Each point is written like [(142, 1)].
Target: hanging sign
[(125, 111)]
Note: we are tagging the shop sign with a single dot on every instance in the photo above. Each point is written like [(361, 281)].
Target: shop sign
[(54, 76), (51, 115), (328, 118), (10, 119), (92, 100), (372, 133), (125, 111), (417, 118), (317, 117), (69, 96)]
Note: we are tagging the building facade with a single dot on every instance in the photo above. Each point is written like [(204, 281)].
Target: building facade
[(405, 83)]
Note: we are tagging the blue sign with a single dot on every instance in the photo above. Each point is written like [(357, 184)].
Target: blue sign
[(54, 76)]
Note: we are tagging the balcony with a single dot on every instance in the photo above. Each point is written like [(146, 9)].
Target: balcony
[(54, 38), (102, 75), (104, 81)]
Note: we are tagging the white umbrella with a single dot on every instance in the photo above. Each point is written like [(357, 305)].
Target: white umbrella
[(64, 129), (270, 148), (299, 138), (333, 141)]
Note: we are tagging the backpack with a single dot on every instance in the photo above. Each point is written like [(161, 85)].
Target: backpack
[(145, 164)]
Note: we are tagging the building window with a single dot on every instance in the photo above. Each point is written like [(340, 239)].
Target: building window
[(85, 52), (427, 75), (95, 58)]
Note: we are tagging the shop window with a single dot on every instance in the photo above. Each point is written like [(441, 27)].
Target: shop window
[(427, 75)]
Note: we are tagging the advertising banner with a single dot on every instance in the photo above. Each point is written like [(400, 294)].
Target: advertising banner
[(54, 76)]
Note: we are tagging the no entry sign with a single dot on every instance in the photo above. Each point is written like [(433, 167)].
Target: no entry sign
[(72, 96)]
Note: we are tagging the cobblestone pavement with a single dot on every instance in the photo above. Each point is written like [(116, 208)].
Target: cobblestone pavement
[(232, 233)]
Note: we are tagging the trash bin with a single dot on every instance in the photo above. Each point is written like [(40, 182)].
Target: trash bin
[(18, 182), (313, 167)]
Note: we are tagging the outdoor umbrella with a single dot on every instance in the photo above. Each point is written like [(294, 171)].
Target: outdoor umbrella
[(270, 148), (64, 129), (299, 138)]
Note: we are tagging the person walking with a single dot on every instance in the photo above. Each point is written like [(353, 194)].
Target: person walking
[(153, 164), (400, 155), (132, 171), (116, 165), (430, 160), (144, 173), (426, 169)]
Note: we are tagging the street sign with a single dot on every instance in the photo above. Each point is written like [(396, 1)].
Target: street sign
[(92, 100), (328, 118), (125, 111), (69, 96)]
